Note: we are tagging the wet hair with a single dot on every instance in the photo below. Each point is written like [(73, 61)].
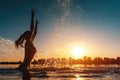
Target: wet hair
[(20, 40)]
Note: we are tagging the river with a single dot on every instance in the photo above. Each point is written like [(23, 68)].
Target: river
[(74, 72)]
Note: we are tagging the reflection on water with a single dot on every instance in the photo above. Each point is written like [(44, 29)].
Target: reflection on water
[(8, 65), (79, 78), (79, 72)]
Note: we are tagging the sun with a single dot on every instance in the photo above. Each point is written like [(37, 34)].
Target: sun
[(77, 52)]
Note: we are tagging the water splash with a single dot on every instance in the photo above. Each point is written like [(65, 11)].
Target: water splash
[(64, 28), (65, 19)]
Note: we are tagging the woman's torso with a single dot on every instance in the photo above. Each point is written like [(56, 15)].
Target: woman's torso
[(29, 47)]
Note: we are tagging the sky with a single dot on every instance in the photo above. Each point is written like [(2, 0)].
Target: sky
[(91, 24)]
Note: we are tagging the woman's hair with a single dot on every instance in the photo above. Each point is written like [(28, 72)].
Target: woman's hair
[(21, 39)]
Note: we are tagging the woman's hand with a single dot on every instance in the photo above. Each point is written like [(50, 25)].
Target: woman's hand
[(33, 11), (37, 22)]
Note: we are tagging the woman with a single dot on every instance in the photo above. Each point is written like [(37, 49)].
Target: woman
[(30, 50)]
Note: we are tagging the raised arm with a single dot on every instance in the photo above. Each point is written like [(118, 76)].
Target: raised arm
[(32, 25), (32, 20), (35, 31)]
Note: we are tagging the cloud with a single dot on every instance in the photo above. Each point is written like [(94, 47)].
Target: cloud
[(8, 51)]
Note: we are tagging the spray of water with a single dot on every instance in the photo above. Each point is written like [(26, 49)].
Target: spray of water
[(65, 16), (64, 28)]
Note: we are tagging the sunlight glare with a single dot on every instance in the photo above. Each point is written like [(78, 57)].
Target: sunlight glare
[(77, 52), (78, 79)]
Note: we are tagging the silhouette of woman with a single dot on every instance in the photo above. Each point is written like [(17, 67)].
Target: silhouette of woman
[(30, 50)]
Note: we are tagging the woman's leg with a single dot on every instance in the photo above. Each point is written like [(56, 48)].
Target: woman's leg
[(24, 64), (30, 59)]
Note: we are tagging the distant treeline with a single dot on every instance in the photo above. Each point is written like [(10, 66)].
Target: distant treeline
[(71, 61), (84, 60), (19, 62)]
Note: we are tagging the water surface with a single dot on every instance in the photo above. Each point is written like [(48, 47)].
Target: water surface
[(74, 72)]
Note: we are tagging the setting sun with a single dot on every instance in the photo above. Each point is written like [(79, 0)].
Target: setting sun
[(77, 52)]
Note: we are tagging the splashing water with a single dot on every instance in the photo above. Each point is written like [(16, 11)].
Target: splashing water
[(64, 29), (64, 21)]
